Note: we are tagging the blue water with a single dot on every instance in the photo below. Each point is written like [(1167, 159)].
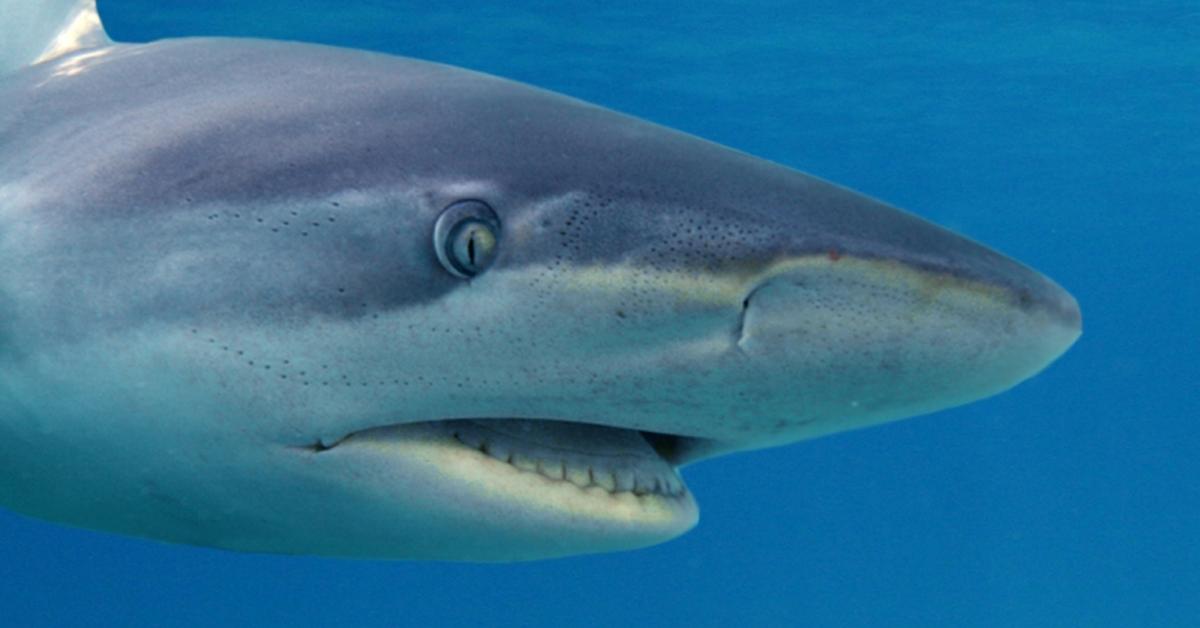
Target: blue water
[(1066, 134)]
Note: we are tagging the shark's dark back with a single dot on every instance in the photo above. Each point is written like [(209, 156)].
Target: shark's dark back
[(194, 123)]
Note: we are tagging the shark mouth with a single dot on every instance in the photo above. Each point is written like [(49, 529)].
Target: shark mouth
[(617, 460), (589, 456)]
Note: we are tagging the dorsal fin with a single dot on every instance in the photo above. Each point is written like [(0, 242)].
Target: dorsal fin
[(33, 31)]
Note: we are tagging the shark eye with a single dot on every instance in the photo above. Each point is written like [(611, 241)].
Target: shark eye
[(466, 237)]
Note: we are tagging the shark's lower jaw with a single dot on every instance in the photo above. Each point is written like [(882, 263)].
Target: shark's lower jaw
[(494, 489), (591, 457)]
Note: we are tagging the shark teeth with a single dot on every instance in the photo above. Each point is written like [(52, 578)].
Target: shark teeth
[(613, 459)]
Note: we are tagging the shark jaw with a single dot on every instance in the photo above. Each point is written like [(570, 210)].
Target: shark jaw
[(577, 486), (584, 455)]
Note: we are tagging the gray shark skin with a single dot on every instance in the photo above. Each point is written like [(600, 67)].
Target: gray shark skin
[(224, 321)]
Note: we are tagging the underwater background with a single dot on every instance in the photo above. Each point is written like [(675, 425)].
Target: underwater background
[(1066, 134)]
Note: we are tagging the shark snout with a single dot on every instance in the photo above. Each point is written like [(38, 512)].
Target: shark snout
[(1051, 315), (866, 340), (1048, 319), (1046, 295)]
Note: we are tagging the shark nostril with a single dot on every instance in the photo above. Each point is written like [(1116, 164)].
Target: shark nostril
[(739, 331)]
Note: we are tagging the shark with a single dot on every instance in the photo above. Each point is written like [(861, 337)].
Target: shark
[(289, 298)]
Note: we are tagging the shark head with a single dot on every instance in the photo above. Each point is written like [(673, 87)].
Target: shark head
[(288, 298)]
